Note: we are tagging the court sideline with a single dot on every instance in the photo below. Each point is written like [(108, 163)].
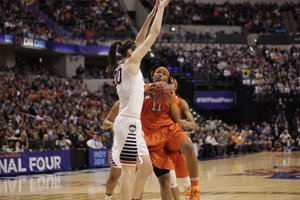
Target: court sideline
[(264, 176)]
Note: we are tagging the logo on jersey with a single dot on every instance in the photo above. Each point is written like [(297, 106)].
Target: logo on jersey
[(290, 172), (132, 128)]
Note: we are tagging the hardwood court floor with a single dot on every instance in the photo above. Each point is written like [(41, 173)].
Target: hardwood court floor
[(263, 176)]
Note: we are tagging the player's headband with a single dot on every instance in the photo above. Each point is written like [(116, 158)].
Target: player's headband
[(161, 68)]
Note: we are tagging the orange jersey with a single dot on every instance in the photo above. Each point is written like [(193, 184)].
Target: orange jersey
[(162, 135), (155, 115)]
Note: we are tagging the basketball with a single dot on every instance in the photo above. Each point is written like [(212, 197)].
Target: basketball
[(163, 92)]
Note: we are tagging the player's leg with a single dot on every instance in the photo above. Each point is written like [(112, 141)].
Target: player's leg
[(174, 186), (182, 173), (186, 182), (163, 176), (127, 178), (125, 153), (181, 141), (186, 148), (143, 171), (112, 181), (144, 166)]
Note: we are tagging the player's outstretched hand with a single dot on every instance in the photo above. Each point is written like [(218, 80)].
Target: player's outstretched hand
[(153, 11)]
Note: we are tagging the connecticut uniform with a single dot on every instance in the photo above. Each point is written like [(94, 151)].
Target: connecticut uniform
[(127, 125)]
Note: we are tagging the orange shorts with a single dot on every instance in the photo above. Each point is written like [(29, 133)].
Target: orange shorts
[(162, 142), (179, 165)]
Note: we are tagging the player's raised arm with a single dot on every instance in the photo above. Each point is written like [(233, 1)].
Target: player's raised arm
[(133, 63), (140, 38)]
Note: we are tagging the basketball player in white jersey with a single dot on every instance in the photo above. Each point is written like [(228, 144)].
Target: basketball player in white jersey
[(131, 149)]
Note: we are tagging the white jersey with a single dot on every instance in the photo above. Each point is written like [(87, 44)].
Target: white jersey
[(130, 90)]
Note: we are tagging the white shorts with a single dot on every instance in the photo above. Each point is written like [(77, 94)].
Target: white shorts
[(129, 143)]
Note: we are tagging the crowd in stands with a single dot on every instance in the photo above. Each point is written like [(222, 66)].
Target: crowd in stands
[(65, 115), (91, 22), (296, 11), (94, 22), (69, 115), (87, 19), (273, 75), (256, 17), (18, 19), (24, 67), (58, 111), (216, 138)]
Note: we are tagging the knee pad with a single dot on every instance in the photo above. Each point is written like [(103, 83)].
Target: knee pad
[(173, 179), (186, 182)]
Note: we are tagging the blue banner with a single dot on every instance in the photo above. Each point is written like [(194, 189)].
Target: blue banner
[(33, 162), (55, 46), (99, 157), (214, 100)]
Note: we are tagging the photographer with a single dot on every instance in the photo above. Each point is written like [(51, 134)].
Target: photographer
[(62, 142)]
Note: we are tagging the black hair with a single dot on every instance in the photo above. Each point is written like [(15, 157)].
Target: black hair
[(159, 63)]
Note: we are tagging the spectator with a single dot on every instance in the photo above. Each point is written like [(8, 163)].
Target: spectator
[(277, 146), (53, 134), (46, 144), (90, 134), (258, 92), (22, 143), (34, 142), (80, 72), (95, 142), (74, 135), (3, 139), (62, 142), (222, 142), (238, 143), (210, 139), (252, 143), (40, 116), (289, 145), (80, 143)]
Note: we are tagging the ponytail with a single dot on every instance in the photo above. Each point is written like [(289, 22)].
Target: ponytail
[(112, 57)]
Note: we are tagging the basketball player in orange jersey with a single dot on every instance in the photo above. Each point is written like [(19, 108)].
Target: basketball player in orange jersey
[(164, 137), (181, 170), (131, 149)]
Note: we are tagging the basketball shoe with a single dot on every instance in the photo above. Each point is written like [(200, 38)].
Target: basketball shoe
[(195, 193), (108, 197)]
